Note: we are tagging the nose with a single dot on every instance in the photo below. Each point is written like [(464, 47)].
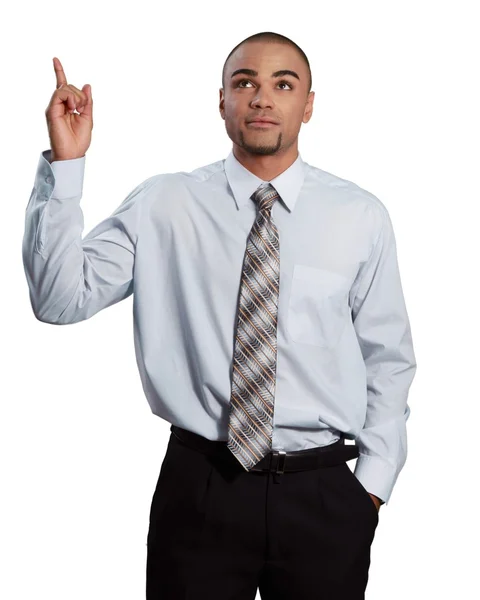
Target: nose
[(262, 100)]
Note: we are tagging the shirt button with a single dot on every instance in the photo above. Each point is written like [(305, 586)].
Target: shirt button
[(48, 179)]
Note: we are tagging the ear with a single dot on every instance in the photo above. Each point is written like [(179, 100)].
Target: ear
[(307, 113), (222, 103)]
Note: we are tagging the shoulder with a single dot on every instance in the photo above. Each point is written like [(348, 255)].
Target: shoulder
[(346, 192), (182, 186), (342, 188), (199, 174)]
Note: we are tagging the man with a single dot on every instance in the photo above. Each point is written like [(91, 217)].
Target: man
[(270, 326)]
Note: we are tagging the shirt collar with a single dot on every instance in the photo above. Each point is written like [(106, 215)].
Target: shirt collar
[(244, 183)]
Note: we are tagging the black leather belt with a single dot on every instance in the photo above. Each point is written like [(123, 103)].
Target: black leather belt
[(276, 461)]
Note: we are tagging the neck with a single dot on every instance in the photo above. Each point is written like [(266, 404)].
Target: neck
[(266, 167)]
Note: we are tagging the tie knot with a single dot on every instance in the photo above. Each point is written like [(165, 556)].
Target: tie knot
[(265, 196)]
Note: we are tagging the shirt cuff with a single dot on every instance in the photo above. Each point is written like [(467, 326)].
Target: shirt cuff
[(62, 177), (376, 475)]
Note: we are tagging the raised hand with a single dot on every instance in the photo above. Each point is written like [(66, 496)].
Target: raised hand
[(70, 132)]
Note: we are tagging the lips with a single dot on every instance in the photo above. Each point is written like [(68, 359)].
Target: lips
[(263, 120), (261, 125)]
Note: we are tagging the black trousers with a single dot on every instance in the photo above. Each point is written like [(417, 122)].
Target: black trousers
[(218, 532)]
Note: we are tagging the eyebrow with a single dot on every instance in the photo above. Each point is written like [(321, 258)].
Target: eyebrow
[(253, 73)]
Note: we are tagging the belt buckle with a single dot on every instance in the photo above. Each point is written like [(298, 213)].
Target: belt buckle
[(279, 468)]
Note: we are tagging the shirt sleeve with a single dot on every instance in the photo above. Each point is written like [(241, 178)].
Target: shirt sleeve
[(383, 331), (70, 278)]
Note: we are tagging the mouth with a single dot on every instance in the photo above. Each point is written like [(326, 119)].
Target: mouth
[(261, 124)]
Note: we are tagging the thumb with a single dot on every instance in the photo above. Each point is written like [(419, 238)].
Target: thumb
[(87, 109)]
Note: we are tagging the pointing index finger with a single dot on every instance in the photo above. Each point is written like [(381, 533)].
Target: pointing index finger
[(59, 72)]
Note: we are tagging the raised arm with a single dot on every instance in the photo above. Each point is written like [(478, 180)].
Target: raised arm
[(70, 278)]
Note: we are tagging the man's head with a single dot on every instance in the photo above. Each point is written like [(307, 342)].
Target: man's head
[(263, 88)]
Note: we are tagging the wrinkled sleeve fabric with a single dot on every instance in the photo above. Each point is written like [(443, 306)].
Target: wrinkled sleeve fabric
[(383, 331), (69, 278)]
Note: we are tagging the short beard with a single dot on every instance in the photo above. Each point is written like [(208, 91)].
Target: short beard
[(260, 149)]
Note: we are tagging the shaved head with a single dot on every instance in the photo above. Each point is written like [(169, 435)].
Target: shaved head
[(270, 37)]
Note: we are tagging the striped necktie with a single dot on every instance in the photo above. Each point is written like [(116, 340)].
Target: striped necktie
[(255, 358)]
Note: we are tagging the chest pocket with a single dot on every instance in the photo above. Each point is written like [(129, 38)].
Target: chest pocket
[(318, 307)]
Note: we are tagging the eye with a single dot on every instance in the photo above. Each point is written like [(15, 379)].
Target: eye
[(242, 80), (279, 83)]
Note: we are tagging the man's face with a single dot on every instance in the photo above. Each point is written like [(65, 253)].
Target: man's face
[(282, 98)]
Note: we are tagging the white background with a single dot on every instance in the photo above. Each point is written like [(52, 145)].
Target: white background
[(396, 111)]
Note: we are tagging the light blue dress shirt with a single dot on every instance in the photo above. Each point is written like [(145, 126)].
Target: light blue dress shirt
[(345, 358)]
